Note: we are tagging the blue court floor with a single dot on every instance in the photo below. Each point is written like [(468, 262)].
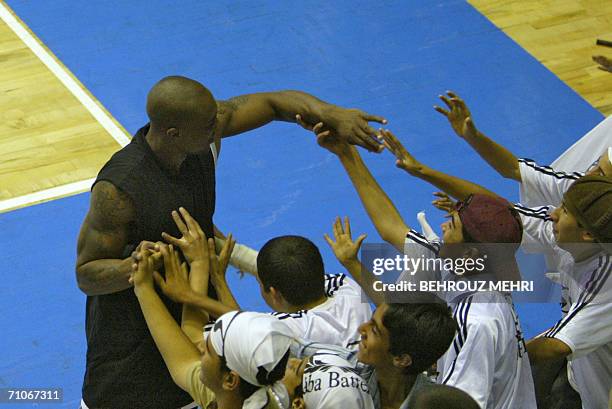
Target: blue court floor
[(387, 57)]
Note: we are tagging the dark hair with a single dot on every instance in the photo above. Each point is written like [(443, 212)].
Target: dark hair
[(422, 330), (294, 267), (264, 377)]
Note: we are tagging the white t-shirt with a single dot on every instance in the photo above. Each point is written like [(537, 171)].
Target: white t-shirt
[(487, 358), (543, 185), (586, 326), (337, 320)]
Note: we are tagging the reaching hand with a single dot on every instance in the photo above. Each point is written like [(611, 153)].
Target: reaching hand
[(193, 242), (352, 126), (218, 264), (142, 271), (444, 202), (605, 64), (330, 141), (151, 249), (176, 283), (344, 247), (458, 115), (404, 159)]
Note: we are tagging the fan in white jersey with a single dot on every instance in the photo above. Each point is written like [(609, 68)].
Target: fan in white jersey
[(582, 227), (393, 229), (487, 359), (316, 306), (540, 185)]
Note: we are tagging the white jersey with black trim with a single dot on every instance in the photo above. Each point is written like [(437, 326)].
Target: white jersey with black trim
[(543, 185), (585, 327), (337, 320), (487, 358)]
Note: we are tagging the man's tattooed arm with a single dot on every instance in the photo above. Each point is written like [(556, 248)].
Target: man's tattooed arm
[(103, 236)]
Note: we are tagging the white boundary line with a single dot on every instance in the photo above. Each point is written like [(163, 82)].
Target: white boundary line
[(47, 194), (61, 73)]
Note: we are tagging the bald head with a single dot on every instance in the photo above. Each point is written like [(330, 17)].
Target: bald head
[(178, 101), (442, 397)]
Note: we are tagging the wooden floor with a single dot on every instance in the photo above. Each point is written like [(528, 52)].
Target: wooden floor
[(561, 35), (48, 139)]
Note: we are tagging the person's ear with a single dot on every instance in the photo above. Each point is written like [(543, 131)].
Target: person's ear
[(172, 132), (231, 381), (587, 236), (298, 403), (402, 361)]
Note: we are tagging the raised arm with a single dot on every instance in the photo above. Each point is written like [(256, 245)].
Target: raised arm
[(460, 118), (246, 112), (177, 350), (380, 209), (103, 237), (458, 188)]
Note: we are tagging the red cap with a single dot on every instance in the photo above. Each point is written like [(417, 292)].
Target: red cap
[(488, 219)]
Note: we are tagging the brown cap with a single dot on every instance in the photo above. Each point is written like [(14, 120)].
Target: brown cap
[(589, 200), (488, 219)]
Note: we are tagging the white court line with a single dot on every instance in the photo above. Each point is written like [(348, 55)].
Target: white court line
[(61, 73), (44, 195)]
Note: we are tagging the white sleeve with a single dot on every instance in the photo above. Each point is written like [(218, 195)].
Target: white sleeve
[(542, 185), (473, 368), (586, 326), (538, 233), (417, 246)]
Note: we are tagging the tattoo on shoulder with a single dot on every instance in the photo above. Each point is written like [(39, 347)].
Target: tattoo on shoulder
[(111, 204), (232, 104)]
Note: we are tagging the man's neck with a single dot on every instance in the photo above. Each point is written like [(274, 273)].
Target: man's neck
[(229, 400), (169, 158), (394, 387)]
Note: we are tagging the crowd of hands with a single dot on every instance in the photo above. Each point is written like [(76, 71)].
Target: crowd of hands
[(202, 263), (205, 265)]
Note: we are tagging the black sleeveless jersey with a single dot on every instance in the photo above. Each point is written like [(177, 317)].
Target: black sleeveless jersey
[(124, 368)]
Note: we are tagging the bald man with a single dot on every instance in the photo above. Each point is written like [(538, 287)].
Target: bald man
[(169, 163)]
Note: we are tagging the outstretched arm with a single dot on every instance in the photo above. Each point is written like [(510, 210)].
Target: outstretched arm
[(458, 188), (381, 210), (460, 118), (246, 112)]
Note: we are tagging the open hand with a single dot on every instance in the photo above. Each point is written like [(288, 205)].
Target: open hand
[(193, 242), (350, 125), (344, 247), (328, 140), (176, 283), (404, 159), (458, 114), (444, 202)]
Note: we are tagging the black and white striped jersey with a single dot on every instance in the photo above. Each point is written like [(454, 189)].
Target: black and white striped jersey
[(543, 185), (585, 327), (337, 320), (487, 358)]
